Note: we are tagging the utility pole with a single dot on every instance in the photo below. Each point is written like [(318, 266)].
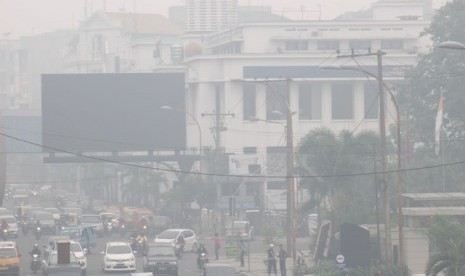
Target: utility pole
[(291, 240), (385, 188), (382, 130)]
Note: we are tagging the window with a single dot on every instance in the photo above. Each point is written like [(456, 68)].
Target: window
[(371, 101), (342, 102), (228, 189), (98, 45), (331, 45), (309, 102), (250, 150), (392, 44), (360, 44), (296, 45), (276, 94), (249, 101)]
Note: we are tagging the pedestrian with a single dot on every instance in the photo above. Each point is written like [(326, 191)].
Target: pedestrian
[(282, 255), (271, 260), (217, 246), (243, 252)]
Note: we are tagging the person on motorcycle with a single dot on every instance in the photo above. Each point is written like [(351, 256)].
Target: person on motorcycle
[(35, 250), (4, 225), (201, 250), (141, 237), (181, 242)]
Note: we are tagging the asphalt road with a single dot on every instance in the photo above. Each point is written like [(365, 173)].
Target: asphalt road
[(187, 265)]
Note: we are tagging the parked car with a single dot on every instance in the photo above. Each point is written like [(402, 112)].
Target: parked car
[(118, 256), (171, 235), (161, 260)]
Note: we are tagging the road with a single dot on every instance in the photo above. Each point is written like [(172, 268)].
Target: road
[(187, 265)]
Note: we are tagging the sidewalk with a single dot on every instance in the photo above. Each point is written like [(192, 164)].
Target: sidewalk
[(257, 265)]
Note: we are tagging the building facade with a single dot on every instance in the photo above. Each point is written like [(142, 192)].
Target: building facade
[(211, 15)]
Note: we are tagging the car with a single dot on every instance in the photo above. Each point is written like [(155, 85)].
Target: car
[(5, 211), (80, 254), (46, 221), (118, 256), (93, 220), (85, 235), (169, 237), (55, 213), (217, 269), (75, 247), (50, 264), (12, 225), (161, 260), (9, 258)]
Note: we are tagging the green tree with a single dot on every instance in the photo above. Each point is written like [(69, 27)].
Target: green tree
[(447, 238), (143, 188), (439, 71), (332, 158)]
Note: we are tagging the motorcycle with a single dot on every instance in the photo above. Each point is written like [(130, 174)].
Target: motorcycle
[(37, 233), (5, 234), (203, 260), (122, 230), (179, 250), (109, 227), (35, 263), (300, 265), (140, 247)]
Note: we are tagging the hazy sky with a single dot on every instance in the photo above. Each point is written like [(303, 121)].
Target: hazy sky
[(27, 17)]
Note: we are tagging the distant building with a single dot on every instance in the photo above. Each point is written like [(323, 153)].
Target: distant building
[(211, 15), (122, 42)]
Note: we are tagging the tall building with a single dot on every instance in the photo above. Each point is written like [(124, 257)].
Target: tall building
[(211, 15)]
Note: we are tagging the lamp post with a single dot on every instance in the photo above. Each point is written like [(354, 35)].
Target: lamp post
[(167, 107), (382, 85)]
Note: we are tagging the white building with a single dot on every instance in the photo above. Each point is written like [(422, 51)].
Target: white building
[(246, 71), (211, 15)]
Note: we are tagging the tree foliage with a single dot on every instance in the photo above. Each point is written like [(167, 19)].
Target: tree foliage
[(438, 71), (447, 239), (331, 158)]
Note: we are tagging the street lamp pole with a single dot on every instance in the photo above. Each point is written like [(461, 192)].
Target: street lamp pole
[(167, 107)]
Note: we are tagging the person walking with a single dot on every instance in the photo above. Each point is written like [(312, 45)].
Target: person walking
[(243, 253), (217, 246), (282, 255), (271, 260)]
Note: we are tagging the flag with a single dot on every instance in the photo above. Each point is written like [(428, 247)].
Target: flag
[(437, 130)]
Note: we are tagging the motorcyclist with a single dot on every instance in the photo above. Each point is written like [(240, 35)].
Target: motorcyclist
[(35, 250), (201, 250), (143, 238), (4, 225), (181, 242)]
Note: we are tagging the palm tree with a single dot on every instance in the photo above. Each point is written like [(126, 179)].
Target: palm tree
[(448, 240), (328, 155), (144, 188)]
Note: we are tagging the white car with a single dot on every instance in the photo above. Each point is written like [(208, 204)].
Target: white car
[(170, 236), (80, 255), (118, 256)]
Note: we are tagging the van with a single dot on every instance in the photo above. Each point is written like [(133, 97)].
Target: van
[(9, 258)]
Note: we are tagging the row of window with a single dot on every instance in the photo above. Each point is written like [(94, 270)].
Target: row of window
[(310, 102), (334, 45)]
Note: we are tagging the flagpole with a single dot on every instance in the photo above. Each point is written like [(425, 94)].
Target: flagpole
[(443, 162)]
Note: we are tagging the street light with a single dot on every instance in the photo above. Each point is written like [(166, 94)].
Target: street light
[(167, 107), (399, 162)]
